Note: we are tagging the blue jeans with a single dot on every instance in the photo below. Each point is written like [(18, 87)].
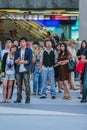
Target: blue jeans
[(48, 74), (37, 80), (85, 83)]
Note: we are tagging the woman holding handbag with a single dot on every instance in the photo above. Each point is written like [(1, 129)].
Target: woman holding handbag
[(64, 73)]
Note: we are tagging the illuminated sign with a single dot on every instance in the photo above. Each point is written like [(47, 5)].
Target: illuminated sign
[(58, 17), (49, 22)]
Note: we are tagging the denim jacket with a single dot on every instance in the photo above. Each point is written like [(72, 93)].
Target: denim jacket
[(27, 56)]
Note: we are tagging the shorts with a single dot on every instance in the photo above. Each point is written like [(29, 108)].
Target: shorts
[(10, 77)]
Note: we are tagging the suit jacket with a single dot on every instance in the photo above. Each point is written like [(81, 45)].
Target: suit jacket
[(27, 56)]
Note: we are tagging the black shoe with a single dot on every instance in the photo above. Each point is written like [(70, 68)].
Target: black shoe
[(33, 93), (83, 101), (39, 94), (53, 97), (79, 97), (81, 92), (27, 101), (17, 101), (42, 97), (59, 91)]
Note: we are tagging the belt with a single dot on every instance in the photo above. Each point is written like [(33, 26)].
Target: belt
[(48, 68)]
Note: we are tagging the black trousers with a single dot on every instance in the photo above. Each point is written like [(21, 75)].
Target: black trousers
[(20, 77)]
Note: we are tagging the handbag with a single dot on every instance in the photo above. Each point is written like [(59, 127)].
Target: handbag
[(80, 67), (71, 65)]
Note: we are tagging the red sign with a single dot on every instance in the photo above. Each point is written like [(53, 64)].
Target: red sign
[(58, 17)]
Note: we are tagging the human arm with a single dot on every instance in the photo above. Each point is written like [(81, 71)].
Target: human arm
[(27, 58)]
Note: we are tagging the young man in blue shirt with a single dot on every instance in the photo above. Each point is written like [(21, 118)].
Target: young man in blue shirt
[(23, 59)]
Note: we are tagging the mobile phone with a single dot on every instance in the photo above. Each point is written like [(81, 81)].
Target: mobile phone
[(19, 57)]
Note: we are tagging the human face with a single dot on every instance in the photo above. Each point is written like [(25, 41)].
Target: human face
[(35, 46), (13, 49), (8, 43), (83, 45), (62, 47), (15, 43), (23, 43), (41, 48), (72, 44), (58, 47), (48, 44)]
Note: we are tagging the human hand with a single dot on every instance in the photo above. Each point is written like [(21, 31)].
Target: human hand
[(3, 74)]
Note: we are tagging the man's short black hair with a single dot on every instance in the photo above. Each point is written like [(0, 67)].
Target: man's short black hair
[(47, 39), (23, 38), (35, 43), (9, 39)]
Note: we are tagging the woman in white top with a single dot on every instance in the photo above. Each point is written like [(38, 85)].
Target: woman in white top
[(8, 73)]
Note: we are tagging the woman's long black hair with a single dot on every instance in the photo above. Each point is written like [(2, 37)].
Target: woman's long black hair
[(65, 51), (82, 43)]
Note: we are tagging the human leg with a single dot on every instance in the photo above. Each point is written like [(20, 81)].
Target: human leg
[(44, 83), (4, 89), (26, 77), (66, 90), (10, 83), (35, 80), (19, 78), (52, 82), (39, 83)]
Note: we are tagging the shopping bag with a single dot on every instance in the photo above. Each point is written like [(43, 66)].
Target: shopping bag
[(80, 67)]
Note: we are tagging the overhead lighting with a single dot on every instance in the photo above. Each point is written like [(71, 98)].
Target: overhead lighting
[(70, 14), (13, 11), (40, 12)]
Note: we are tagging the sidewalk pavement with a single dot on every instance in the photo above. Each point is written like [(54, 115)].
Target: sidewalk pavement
[(43, 114)]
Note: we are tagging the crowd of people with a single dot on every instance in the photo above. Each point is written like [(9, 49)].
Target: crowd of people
[(47, 63)]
